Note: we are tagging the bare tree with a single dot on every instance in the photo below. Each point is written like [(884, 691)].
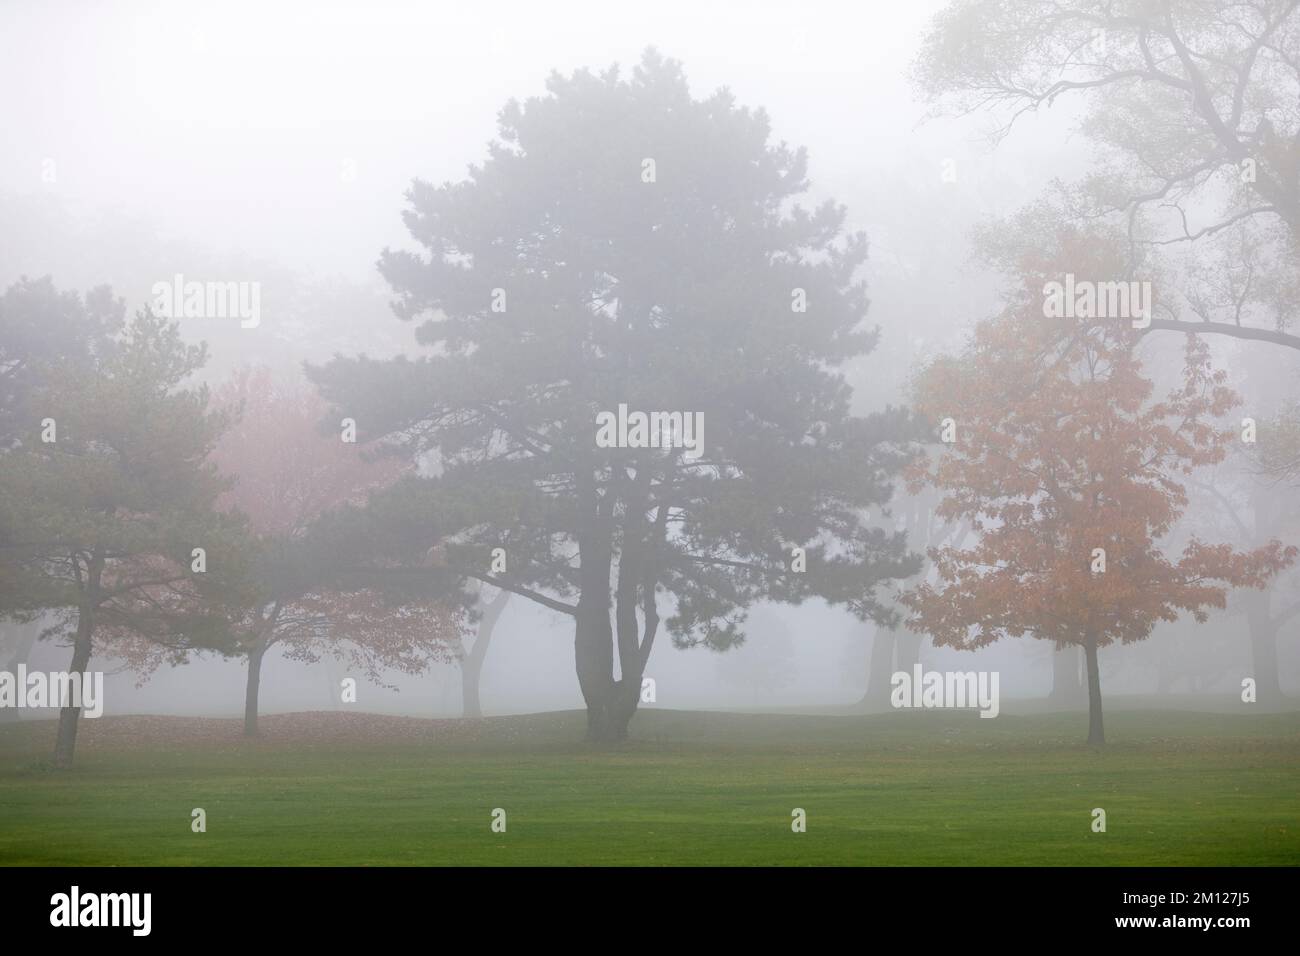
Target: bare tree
[(1194, 108)]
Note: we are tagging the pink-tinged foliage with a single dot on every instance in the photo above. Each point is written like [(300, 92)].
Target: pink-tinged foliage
[(286, 472)]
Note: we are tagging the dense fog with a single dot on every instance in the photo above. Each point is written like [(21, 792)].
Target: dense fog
[(274, 143)]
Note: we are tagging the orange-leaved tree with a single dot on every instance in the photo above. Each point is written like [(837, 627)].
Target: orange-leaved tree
[(1070, 471)]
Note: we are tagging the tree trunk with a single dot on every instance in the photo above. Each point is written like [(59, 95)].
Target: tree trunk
[(1263, 649), (66, 742), (593, 646), (1167, 672), (879, 670), (615, 713), (1096, 733), (471, 662), (909, 649), (252, 688), (25, 639), (469, 697), (610, 703), (1067, 688)]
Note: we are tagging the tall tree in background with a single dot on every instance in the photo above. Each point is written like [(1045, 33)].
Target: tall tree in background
[(627, 244), (1069, 687), (112, 502), (895, 647), (1072, 475), (470, 657), (1256, 506), (45, 332), (1194, 109), (286, 474)]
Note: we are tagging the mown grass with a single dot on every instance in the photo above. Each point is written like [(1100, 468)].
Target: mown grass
[(690, 789)]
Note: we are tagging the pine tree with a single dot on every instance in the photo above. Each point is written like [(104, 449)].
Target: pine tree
[(626, 244), (116, 515)]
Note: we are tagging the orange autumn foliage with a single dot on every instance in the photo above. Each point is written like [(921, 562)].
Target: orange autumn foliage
[(1061, 449)]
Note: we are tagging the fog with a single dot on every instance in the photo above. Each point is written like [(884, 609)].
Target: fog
[(274, 143)]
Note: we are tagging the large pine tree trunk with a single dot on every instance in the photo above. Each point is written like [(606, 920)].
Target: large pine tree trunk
[(1096, 732), (611, 704), (252, 688), (593, 635), (1263, 649), (609, 721), (593, 647)]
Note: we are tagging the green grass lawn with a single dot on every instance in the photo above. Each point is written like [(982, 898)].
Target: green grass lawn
[(691, 788)]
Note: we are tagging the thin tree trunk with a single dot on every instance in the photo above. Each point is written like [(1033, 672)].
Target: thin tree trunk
[(1263, 649), (1259, 606), (879, 670), (909, 649), (1096, 732), (471, 662), (469, 696), (1067, 688), (65, 743), (26, 639), (253, 687)]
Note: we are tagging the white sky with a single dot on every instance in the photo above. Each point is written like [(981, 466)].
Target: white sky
[(230, 123)]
